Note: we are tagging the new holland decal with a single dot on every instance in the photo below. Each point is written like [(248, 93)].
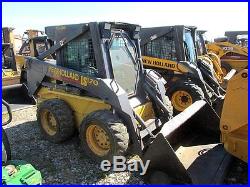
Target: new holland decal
[(159, 63), (72, 76)]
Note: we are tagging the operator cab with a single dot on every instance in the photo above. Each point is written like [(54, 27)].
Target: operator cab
[(114, 55)]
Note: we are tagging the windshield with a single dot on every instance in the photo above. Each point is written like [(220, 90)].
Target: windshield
[(189, 47), (123, 59)]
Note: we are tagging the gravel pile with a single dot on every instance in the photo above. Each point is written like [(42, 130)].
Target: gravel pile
[(66, 164), (59, 163)]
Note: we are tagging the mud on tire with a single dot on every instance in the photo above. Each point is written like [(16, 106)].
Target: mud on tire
[(63, 116)]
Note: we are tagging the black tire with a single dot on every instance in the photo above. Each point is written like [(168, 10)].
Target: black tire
[(226, 68), (6, 151), (64, 120), (190, 87), (114, 129)]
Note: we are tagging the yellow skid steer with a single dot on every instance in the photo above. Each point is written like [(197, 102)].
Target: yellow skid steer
[(98, 87)]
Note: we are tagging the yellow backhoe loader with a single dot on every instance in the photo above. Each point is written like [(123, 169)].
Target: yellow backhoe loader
[(232, 56), (98, 87)]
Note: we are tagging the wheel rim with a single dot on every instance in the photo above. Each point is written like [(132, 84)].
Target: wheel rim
[(48, 122), (181, 100), (97, 140), (224, 71)]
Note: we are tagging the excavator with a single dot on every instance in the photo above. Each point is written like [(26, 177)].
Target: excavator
[(232, 56), (97, 86), (171, 51)]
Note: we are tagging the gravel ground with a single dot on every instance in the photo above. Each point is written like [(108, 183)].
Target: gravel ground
[(59, 163), (66, 164)]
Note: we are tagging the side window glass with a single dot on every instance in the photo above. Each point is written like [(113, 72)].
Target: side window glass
[(78, 55), (163, 47)]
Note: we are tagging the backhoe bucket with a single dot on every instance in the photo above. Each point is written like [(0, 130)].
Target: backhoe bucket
[(185, 160)]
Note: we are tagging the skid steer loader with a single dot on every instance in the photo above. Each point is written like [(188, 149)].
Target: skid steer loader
[(13, 66), (15, 172), (34, 43), (97, 86), (10, 75), (10, 66), (232, 56), (234, 120), (171, 51)]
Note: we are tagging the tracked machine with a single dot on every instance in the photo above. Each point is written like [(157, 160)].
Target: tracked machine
[(171, 51), (98, 87)]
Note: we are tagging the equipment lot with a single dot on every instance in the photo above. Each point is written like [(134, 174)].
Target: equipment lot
[(66, 164), (135, 100)]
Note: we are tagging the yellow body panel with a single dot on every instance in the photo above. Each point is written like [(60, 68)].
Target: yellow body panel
[(234, 117), (81, 106), (238, 65), (222, 48), (145, 111), (20, 61), (10, 77)]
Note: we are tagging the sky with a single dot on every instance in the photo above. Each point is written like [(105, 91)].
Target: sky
[(214, 17)]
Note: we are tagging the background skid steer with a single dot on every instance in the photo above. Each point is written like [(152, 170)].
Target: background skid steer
[(171, 51), (13, 78), (98, 86)]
